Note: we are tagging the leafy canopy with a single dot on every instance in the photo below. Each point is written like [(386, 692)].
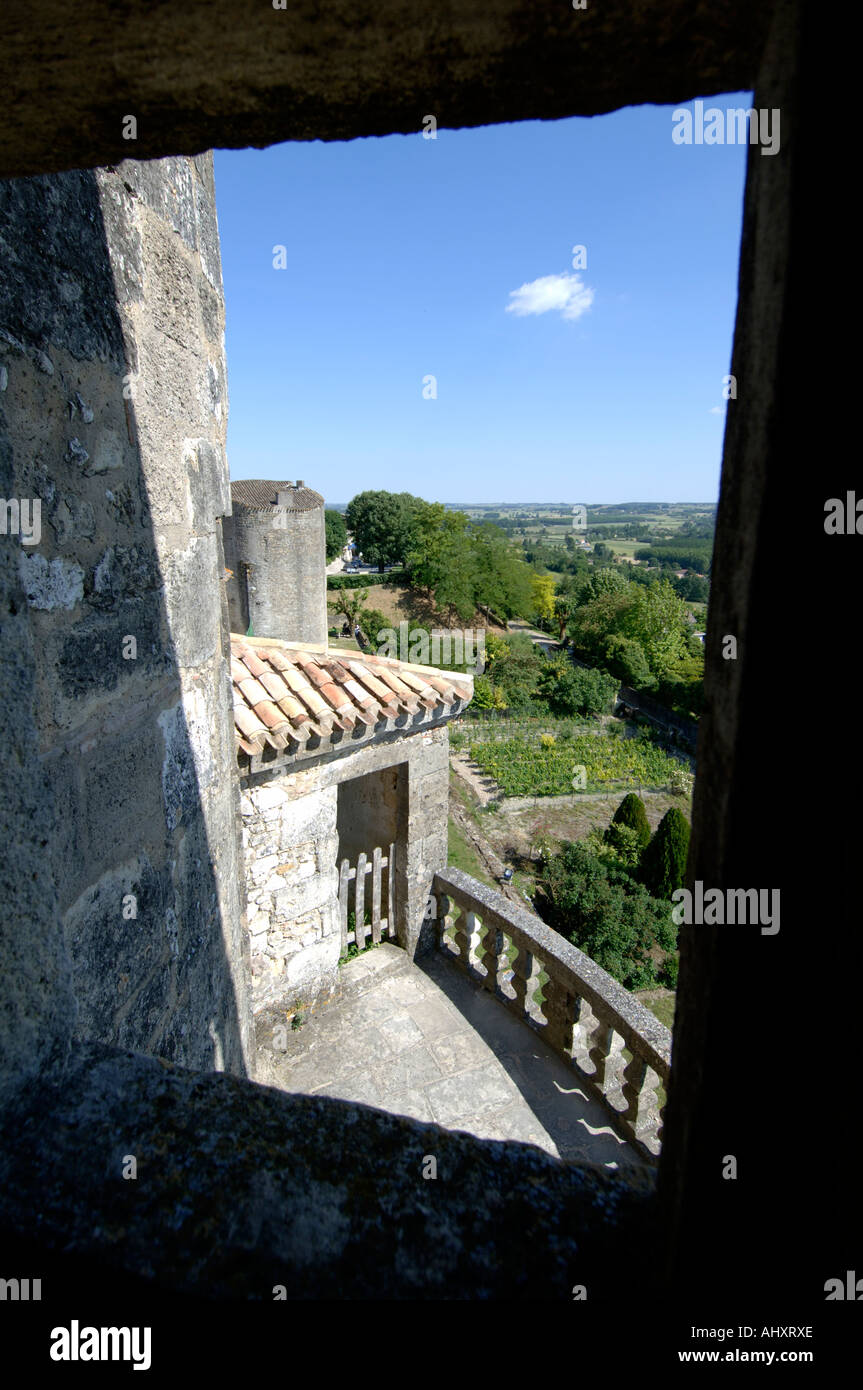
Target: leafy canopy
[(336, 534)]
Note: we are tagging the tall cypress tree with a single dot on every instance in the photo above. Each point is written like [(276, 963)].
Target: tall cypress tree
[(631, 812), (663, 863)]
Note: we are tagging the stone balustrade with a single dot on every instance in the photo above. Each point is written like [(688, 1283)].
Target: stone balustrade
[(578, 1008)]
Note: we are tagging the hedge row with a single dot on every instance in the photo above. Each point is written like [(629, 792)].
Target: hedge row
[(365, 581)]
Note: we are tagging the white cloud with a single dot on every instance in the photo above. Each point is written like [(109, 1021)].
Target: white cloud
[(717, 410), (568, 293)]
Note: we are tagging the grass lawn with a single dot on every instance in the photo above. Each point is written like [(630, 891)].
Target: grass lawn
[(462, 855), (627, 548), (662, 1007)]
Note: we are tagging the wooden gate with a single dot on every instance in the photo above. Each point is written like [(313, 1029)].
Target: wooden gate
[(375, 897)]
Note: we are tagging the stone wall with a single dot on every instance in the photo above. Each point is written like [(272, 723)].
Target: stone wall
[(290, 845), (324, 1198), (369, 811), (242, 72), (278, 558), (291, 825), (113, 418)]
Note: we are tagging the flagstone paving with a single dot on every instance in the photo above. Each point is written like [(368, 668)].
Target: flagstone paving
[(423, 1040)]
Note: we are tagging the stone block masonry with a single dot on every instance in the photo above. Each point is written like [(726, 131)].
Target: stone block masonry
[(290, 846), (297, 825), (113, 416)]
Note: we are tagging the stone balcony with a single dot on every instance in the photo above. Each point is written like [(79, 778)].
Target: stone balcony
[(529, 1049)]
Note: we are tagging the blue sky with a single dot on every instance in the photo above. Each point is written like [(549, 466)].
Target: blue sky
[(402, 257)]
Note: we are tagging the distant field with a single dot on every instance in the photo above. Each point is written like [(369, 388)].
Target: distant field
[(556, 521), (627, 548)]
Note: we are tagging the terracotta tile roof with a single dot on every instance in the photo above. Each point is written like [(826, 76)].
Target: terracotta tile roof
[(286, 693), (259, 494)]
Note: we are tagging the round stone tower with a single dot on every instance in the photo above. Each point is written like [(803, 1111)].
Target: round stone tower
[(275, 548)]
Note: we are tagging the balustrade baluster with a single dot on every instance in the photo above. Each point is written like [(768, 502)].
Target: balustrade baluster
[(639, 1092), (532, 1007), (590, 1030), (492, 948), (445, 922), (521, 966), (465, 930), (634, 1074), (605, 1054), (583, 1019), (558, 1007)]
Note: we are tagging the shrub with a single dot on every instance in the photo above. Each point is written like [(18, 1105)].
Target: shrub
[(372, 621), (495, 648), (604, 912), (626, 844), (574, 690), (365, 581), (625, 658), (486, 695), (547, 740), (667, 931), (663, 863), (681, 781), (631, 813)]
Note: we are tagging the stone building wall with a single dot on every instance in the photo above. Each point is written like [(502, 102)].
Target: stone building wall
[(291, 842), (113, 418), (278, 557)]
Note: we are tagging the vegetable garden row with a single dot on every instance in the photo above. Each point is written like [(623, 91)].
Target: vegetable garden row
[(522, 767), (493, 730)]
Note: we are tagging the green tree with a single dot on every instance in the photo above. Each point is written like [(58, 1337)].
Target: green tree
[(336, 534), (663, 863), (351, 603), (502, 582), (626, 659), (605, 613), (625, 843), (604, 911), (496, 648), (465, 566), (486, 695), (572, 690), (381, 524), (371, 621), (542, 589), (562, 614), (440, 558), (657, 620), (517, 672), (632, 812)]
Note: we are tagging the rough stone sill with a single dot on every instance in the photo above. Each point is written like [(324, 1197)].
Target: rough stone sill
[(240, 1188)]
